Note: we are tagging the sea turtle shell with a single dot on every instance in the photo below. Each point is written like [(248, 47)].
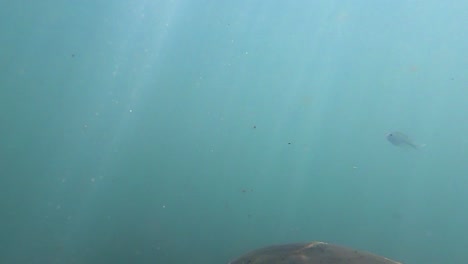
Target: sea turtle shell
[(310, 253)]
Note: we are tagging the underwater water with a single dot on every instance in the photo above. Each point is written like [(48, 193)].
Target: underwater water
[(195, 131)]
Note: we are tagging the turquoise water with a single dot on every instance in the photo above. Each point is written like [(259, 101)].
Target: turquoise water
[(194, 131)]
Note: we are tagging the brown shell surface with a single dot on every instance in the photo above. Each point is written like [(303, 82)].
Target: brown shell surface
[(310, 253)]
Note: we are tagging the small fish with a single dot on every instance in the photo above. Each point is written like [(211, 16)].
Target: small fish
[(401, 140)]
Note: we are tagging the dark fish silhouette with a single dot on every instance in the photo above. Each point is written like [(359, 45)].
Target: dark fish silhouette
[(401, 140)]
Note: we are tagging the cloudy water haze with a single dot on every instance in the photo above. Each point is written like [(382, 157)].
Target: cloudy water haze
[(195, 131)]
